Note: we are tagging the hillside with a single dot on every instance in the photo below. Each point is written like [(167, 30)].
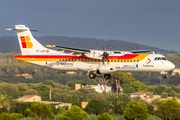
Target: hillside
[(86, 43)]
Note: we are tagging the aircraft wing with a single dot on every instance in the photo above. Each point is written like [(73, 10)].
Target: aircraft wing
[(69, 50), (140, 51)]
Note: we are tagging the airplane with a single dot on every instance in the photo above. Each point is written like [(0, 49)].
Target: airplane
[(92, 61)]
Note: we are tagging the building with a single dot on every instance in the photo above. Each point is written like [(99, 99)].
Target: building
[(141, 95), (84, 104), (77, 86), (26, 75), (99, 88), (71, 72), (58, 104), (29, 98), (176, 71), (36, 98)]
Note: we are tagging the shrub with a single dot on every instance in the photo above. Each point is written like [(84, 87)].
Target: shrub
[(164, 95)]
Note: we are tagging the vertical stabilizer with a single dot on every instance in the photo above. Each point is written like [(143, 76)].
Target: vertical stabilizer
[(28, 44)]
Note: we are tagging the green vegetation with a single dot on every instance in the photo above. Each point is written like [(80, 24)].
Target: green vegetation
[(75, 113), (169, 109), (40, 111), (115, 105), (136, 110)]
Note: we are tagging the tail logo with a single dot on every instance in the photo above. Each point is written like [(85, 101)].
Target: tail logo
[(25, 41)]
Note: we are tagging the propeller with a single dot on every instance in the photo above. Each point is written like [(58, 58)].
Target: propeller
[(105, 54)]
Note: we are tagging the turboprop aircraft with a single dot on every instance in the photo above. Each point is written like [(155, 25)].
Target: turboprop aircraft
[(92, 61)]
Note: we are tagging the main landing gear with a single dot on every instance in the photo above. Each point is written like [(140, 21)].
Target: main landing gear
[(92, 75), (107, 76)]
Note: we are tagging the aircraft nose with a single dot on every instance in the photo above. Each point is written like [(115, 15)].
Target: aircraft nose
[(171, 66)]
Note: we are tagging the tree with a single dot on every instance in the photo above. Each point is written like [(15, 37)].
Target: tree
[(173, 93), (95, 107), (3, 110), (123, 98), (40, 111), (104, 116), (78, 104), (129, 90), (164, 95), (139, 85), (150, 109), (4, 101), (21, 107), (75, 113), (118, 108), (102, 81), (136, 110), (169, 109), (12, 116), (30, 92), (121, 77), (153, 117)]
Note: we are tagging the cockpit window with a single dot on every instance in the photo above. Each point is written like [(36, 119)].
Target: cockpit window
[(160, 58), (163, 58)]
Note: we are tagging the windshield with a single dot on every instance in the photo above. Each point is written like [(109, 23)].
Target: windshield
[(160, 58)]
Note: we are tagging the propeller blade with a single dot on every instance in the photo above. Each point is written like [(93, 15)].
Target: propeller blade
[(132, 46), (102, 46), (137, 46), (107, 46)]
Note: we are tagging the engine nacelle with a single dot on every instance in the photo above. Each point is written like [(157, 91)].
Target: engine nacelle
[(106, 70)]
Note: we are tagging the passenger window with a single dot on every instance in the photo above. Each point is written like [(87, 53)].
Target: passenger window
[(91, 60), (130, 60), (74, 59), (66, 60), (111, 60), (121, 60), (62, 59), (137, 60), (134, 60), (82, 60), (118, 60), (114, 60), (78, 59), (127, 60), (124, 60)]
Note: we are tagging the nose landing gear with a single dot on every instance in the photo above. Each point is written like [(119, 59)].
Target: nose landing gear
[(164, 75)]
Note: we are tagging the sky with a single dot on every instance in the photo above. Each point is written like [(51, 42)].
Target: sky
[(149, 22)]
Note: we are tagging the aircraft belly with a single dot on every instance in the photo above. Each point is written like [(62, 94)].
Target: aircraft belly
[(87, 66)]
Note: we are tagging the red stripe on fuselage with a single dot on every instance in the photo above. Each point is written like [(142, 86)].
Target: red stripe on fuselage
[(126, 56)]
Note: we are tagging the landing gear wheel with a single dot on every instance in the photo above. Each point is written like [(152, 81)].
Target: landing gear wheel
[(164, 76), (107, 76), (92, 75)]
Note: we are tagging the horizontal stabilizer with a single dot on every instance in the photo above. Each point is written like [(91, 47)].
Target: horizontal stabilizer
[(21, 30)]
